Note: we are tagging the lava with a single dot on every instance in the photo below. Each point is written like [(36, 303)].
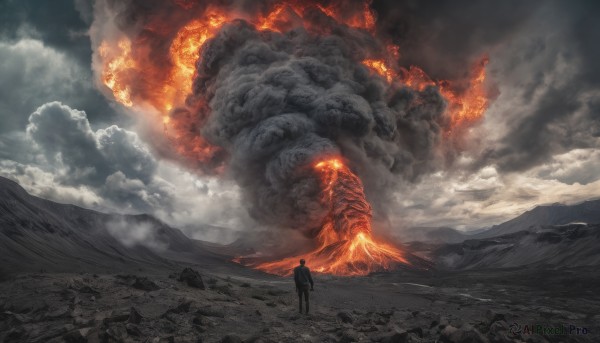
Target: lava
[(345, 243)]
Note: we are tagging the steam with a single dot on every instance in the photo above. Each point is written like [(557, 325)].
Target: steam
[(131, 233)]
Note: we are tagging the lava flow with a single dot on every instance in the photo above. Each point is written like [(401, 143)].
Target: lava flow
[(345, 244)]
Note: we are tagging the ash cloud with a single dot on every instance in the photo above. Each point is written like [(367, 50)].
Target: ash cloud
[(280, 102)]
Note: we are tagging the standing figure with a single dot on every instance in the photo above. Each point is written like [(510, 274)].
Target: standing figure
[(303, 279)]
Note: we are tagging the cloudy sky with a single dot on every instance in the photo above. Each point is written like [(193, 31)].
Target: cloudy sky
[(64, 139)]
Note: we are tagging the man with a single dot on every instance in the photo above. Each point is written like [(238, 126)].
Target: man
[(302, 279)]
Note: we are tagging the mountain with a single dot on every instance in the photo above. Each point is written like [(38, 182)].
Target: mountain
[(556, 214), (432, 235), (559, 246), (41, 235)]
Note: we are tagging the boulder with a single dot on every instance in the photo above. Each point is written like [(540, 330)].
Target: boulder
[(144, 284), (134, 316), (345, 317), (192, 278)]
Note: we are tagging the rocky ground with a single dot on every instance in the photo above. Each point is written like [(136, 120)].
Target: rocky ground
[(254, 307)]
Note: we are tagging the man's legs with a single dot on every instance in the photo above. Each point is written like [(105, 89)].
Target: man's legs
[(300, 291), (305, 290)]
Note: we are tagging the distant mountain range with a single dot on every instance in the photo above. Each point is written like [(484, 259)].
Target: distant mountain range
[(556, 246), (41, 235), (556, 214), (545, 215)]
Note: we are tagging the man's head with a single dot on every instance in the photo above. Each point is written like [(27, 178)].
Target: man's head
[(302, 262)]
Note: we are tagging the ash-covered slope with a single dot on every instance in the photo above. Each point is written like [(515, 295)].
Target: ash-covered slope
[(553, 247), (38, 234), (556, 214)]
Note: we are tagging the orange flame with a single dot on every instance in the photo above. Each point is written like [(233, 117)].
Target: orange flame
[(464, 107), (118, 62), (345, 244)]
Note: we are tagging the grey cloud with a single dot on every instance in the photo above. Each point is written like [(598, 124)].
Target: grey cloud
[(113, 160), (33, 74)]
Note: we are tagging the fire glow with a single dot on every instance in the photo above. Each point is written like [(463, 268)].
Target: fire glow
[(344, 243)]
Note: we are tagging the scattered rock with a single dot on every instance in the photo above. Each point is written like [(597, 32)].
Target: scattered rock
[(77, 336), (417, 331), (345, 317), (192, 278), (493, 316), (231, 339), (134, 316), (61, 312), (133, 330), (115, 332), (464, 334), (145, 284), (184, 306), (259, 297), (349, 336), (88, 290), (116, 316), (211, 312)]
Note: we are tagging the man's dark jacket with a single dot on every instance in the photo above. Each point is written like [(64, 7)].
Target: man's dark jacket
[(302, 277)]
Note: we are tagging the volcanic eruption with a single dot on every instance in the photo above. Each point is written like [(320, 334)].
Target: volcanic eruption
[(303, 103)]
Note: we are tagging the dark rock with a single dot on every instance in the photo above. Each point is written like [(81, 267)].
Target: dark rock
[(367, 328), (389, 313), (116, 316), (61, 312), (144, 284), (211, 312), (134, 316), (349, 336), (133, 330), (192, 278), (77, 336), (245, 285), (345, 317), (464, 334), (183, 306), (88, 290), (259, 297), (271, 304), (231, 339), (167, 326), (416, 331), (394, 337), (116, 332), (493, 316)]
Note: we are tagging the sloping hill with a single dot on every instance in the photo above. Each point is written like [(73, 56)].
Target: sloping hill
[(556, 214), (556, 247), (38, 235)]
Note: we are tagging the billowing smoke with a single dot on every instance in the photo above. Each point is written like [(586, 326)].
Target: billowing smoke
[(279, 102), (263, 92)]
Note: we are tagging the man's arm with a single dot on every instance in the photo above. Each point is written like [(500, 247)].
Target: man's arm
[(312, 284), (296, 277)]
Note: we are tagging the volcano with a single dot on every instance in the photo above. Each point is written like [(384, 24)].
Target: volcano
[(304, 105)]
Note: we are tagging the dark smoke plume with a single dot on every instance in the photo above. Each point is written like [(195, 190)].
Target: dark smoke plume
[(279, 102)]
